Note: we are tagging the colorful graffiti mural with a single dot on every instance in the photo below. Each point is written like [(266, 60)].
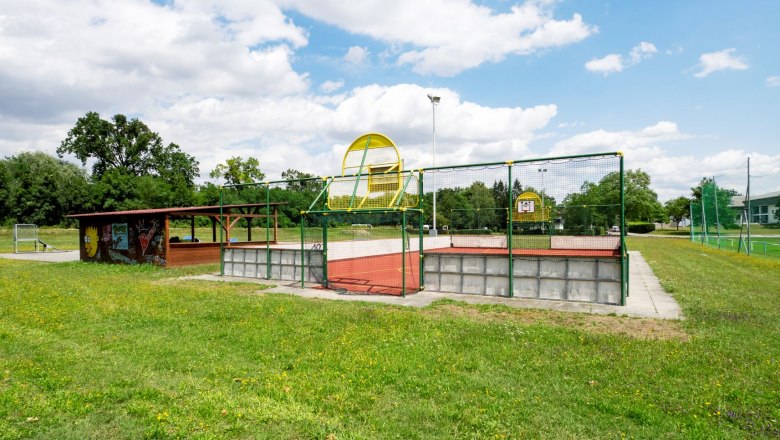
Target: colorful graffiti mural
[(118, 242)]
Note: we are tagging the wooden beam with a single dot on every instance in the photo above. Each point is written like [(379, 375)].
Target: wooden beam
[(167, 239)]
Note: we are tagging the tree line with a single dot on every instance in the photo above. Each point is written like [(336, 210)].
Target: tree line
[(130, 167)]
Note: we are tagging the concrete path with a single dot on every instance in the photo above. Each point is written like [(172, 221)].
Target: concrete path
[(647, 298), (50, 257)]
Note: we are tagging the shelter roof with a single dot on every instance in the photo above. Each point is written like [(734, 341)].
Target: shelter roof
[(181, 210)]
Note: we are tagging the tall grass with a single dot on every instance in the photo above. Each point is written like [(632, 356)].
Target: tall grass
[(103, 351)]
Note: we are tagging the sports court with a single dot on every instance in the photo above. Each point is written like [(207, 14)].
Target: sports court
[(533, 228)]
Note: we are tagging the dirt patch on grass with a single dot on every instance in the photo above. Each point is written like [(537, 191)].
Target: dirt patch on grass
[(637, 328)]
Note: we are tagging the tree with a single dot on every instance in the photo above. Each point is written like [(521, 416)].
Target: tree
[(236, 171), (299, 181), (38, 188), (481, 200), (678, 209), (708, 195), (777, 211), (127, 146)]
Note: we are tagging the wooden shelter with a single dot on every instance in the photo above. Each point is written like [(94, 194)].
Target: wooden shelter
[(143, 236)]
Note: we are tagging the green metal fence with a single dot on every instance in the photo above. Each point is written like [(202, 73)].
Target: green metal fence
[(515, 228)]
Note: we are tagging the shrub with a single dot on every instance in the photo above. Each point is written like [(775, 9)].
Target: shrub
[(641, 227)]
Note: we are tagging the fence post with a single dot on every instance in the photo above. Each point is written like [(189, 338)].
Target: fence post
[(268, 231), (303, 278), (325, 248), (403, 252), (420, 230), (509, 227), (623, 251), (221, 240)]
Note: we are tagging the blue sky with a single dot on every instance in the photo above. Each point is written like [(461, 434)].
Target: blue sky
[(685, 89)]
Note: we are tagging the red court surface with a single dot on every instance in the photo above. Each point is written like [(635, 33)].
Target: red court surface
[(380, 274), (383, 274)]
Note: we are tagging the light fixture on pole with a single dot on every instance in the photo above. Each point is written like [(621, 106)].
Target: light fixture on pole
[(434, 102)]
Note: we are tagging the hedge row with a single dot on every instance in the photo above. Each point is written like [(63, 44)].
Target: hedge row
[(641, 227)]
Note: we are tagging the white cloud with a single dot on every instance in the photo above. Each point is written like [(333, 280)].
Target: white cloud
[(127, 55), (609, 64), (331, 86), (291, 133), (356, 55), (773, 81), (202, 75), (641, 51), (653, 150), (447, 37), (722, 60), (613, 63)]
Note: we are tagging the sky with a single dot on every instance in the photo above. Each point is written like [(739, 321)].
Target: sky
[(683, 89)]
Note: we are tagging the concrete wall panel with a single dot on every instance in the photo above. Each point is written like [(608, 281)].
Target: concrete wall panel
[(474, 284), (473, 264), (526, 266), (579, 269), (609, 270), (609, 293), (582, 291), (450, 283), (552, 289), (497, 286), (552, 269), (526, 287), (497, 266), (450, 263)]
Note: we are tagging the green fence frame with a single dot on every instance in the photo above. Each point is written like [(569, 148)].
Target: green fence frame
[(325, 212)]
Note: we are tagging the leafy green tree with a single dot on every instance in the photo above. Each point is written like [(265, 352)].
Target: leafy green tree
[(300, 181), (501, 200), (709, 195), (678, 209), (777, 212), (482, 202), (128, 146), (38, 188), (237, 171)]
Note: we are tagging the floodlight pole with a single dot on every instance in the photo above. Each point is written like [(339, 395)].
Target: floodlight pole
[(434, 101)]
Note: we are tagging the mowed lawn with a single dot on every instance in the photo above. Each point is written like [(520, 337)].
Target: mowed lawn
[(99, 351)]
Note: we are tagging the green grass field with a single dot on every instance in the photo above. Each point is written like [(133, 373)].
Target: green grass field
[(754, 229), (103, 351)]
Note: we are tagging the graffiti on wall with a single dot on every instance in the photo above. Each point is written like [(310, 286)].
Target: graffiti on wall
[(119, 236), (91, 241), (128, 240)]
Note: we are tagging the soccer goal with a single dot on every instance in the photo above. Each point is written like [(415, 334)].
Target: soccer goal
[(26, 240)]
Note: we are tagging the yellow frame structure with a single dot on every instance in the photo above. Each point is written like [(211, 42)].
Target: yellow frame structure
[(540, 214), (383, 176)]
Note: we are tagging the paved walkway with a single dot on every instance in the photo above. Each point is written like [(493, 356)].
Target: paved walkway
[(647, 298), (50, 257)]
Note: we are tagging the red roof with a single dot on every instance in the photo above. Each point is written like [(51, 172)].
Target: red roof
[(178, 210)]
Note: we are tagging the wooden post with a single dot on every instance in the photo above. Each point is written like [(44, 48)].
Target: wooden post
[(167, 240), (192, 229), (213, 229)]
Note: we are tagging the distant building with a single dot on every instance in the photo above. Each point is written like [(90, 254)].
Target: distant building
[(763, 206)]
